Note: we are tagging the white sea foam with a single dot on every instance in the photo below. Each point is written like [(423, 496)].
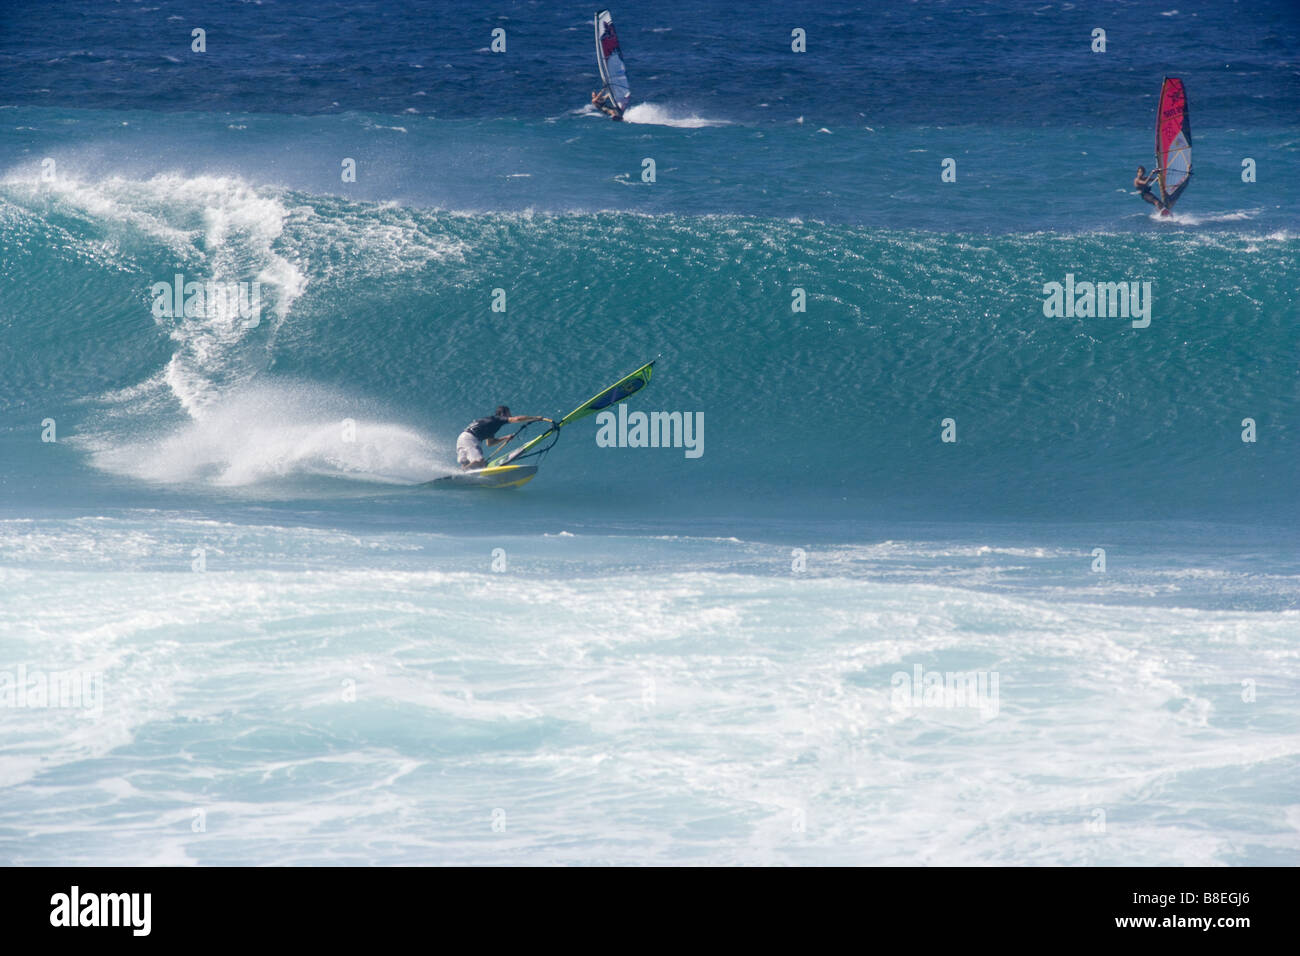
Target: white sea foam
[(667, 716), (281, 431), (220, 229), (655, 115)]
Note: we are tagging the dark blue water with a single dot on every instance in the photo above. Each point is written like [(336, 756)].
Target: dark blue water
[(887, 63)]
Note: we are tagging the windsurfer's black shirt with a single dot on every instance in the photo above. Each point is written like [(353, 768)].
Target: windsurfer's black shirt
[(482, 428)]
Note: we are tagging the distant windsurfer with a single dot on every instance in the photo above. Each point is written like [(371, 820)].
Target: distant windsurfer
[(614, 97), (601, 100), (469, 446), (1142, 183)]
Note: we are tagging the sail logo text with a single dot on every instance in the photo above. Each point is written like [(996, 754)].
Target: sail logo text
[(1104, 300), (651, 430), (102, 909)]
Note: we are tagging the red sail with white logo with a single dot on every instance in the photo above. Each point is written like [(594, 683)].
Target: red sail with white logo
[(1173, 141)]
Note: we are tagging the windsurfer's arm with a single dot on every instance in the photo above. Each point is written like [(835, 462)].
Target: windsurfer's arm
[(524, 419), (603, 102)]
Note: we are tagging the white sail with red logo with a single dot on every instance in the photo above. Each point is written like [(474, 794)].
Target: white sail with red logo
[(610, 60)]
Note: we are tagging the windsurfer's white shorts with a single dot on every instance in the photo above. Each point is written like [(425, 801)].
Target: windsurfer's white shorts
[(468, 449)]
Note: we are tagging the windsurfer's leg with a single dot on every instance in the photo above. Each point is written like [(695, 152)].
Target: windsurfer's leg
[(469, 453)]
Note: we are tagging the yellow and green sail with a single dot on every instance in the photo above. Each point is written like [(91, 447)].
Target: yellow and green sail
[(624, 388)]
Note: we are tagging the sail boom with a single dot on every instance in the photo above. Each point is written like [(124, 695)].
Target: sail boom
[(624, 388)]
